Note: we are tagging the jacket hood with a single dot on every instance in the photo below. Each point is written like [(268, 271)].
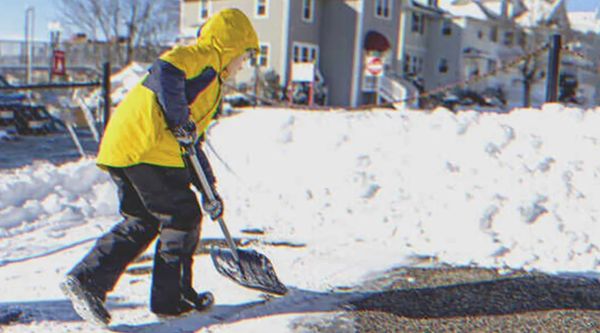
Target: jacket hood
[(231, 33)]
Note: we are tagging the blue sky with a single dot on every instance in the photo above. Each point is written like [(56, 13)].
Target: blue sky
[(12, 16), (582, 5)]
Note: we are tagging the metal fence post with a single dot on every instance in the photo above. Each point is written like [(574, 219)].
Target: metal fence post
[(106, 92), (553, 69)]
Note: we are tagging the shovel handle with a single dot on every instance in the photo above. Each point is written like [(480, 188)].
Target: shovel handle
[(207, 189)]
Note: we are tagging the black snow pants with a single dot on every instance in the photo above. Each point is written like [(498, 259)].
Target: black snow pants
[(153, 201)]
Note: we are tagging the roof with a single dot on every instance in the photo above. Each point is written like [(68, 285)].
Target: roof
[(526, 13), (584, 21), (469, 8)]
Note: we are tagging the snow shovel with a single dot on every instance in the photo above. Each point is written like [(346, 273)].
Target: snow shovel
[(246, 267)]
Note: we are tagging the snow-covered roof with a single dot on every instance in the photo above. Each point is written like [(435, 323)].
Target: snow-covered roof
[(525, 12), (584, 21), (540, 11), (463, 9)]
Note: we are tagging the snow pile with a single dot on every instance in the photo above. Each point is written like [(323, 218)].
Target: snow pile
[(485, 189), (126, 79)]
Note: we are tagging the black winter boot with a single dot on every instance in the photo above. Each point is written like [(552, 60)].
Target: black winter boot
[(87, 301), (200, 301)]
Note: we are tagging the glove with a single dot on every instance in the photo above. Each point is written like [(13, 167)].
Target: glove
[(213, 208), (185, 134)]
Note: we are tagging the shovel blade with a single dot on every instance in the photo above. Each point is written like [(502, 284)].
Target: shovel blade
[(254, 270)]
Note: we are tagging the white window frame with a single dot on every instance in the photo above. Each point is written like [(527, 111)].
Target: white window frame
[(205, 5), (406, 63), (310, 5), (386, 8), (416, 23), (508, 38), (492, 65), (264, 57), (257, 5), (446, 27), (443, 62), (312, 52), (494, 32)]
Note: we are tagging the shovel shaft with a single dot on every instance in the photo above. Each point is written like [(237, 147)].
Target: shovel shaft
[(229, 240), (207, 189)]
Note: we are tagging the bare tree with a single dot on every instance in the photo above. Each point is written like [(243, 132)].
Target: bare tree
[(533, 64), (127, 26)]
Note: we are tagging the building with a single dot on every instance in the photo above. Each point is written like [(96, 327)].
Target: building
[(416, 45), (330, 33)]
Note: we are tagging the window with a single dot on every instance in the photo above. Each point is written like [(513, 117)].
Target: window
[(308, 7), (522, 39), (406, 67), (443, 65), (447, 28), (494, 34), (492, 65), (262, 57), (261, 8), (304, 52), (415, 65), (509, 37), (418, 23), (383, 8), (415, 22), (480, 34), (472, 71), (204, 12)]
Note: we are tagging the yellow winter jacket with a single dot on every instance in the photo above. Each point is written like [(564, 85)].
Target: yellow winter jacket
[(184, 83)]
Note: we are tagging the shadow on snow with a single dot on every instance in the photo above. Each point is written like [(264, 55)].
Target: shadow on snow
[(49, 310)]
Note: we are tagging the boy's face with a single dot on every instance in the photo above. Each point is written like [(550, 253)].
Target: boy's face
[(236, 64)]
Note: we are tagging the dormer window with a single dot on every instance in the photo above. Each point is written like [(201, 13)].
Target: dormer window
[(204, 13), (308, 8), (261, 8), (383, 8)]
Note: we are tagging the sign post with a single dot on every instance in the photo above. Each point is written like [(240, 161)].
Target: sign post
[(58, 63), (374, 68), (304, 72)]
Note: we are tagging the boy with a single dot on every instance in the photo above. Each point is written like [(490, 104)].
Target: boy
[(142, 150)]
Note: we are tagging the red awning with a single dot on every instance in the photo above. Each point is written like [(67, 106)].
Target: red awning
[(375, 41)]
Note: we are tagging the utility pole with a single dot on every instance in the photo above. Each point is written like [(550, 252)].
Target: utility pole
[(553, 69)]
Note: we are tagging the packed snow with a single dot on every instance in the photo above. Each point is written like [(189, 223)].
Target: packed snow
[(353, 194)]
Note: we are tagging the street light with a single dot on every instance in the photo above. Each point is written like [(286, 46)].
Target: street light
[(29, 26)]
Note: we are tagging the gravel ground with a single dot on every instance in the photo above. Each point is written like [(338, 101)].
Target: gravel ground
[(451, 299)]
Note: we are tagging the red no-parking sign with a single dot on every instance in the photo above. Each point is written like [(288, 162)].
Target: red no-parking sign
[(58, 63), (374, 66)]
